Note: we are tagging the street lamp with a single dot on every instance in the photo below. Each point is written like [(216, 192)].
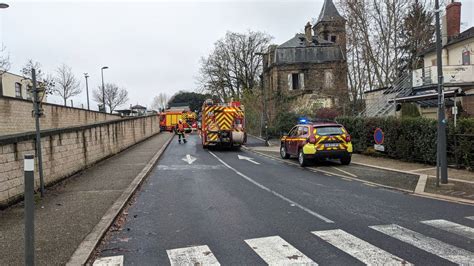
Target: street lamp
[(87, 90), (264, 99), (103, 87), (442, 164), (3, 5)]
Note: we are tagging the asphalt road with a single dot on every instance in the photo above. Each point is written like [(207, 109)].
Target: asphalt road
[(209, 207)]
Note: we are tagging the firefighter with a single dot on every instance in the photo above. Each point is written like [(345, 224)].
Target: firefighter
[(179, 129)]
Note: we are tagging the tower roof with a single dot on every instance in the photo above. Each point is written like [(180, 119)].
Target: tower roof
[(329, 12)]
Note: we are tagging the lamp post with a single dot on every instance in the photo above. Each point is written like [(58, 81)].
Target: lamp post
[(103, 87), (87, 90), (37, 99), (442, 164), (265, 120)]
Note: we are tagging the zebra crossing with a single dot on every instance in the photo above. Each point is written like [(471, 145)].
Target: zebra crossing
[(274, 250)]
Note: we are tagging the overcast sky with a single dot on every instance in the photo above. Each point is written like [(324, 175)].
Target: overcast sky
[(149, 46)]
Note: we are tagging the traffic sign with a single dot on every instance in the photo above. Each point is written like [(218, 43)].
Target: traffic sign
[(378, 136)]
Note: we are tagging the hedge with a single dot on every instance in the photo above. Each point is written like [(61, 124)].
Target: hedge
[(413, 139)]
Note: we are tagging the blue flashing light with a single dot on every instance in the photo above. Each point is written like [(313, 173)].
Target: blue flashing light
[(303, 120)]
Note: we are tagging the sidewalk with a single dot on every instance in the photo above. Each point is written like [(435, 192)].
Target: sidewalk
[(71, 209)]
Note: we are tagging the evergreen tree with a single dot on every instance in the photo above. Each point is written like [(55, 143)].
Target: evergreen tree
[(417, 35)]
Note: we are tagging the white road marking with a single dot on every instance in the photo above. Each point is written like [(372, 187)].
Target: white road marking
[(273, 192), (359, 249), (428, 244), (451, 227), (345, 172), (109, 261), (190, 167), (197, 255), (189, 159), (247, 158), (470, 217), (274, 250)]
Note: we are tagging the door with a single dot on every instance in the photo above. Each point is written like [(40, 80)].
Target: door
[(291, 141), (303, 135)]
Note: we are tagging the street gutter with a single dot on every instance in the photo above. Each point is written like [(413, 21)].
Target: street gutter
[(90, 242)]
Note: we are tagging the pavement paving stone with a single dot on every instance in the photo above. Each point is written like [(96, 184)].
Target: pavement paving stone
[(72, 208)]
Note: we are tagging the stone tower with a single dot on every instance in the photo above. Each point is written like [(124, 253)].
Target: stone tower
[(331, 26)]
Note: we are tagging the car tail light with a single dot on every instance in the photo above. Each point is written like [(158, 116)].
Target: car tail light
[(348, 138)]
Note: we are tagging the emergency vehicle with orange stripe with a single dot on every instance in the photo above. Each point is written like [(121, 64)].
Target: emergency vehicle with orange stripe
[(169, 120), (315, 141), (223, 124)]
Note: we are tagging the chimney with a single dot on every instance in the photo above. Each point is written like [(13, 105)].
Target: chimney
[(453, 19), (308, 34)]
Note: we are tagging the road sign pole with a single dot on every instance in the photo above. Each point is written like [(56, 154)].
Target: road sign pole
[(29, 169)]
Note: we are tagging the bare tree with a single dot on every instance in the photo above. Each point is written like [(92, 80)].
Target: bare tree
[(233, 67), (114, 96), (4, 59), (67, 85), (44, 80), (160, 101)]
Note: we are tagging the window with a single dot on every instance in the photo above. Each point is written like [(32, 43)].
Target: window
[(18, 90), (466, 57), (328, 79), (303, 131), (433, 62), (293, 132), (333, 38), (296, 81), (329, 131)]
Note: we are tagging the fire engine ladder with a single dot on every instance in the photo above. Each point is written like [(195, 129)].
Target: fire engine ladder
[(382, 106)]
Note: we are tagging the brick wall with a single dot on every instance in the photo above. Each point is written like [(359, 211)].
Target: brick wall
[(16, 116), (67, 151)]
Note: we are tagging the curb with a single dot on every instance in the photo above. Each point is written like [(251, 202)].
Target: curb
[(419, 190), (90, 242)]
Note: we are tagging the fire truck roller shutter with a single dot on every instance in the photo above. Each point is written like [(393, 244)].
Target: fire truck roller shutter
[(238, 137)]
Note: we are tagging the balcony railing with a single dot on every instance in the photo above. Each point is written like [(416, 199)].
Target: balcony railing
[(453, 75)]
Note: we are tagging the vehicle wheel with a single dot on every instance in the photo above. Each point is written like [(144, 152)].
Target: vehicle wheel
[(346, 160), (283, 152), (301, 159)]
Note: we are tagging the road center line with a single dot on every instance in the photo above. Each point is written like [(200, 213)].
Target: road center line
[(273, 192)]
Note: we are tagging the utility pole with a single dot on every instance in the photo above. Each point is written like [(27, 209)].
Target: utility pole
[(87, 90), (37, 113), (442, 164)]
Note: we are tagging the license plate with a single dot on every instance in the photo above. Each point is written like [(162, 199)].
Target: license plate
[(331, 145)]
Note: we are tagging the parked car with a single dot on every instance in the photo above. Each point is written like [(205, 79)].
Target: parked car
[(319, 140)]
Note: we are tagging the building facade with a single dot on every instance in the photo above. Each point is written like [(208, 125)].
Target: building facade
[(16, 86), (458, 63), (310, 68)]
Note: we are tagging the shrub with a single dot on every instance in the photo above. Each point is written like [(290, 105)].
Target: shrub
[(413, 138)]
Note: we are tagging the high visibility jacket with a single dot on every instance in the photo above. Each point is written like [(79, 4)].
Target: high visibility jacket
[(180, 127)]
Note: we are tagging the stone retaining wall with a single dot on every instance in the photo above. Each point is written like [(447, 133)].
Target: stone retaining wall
[(16, 116), (67, 151)]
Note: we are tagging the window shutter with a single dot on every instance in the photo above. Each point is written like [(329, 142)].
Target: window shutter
[(290, 82), (302, 81)]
